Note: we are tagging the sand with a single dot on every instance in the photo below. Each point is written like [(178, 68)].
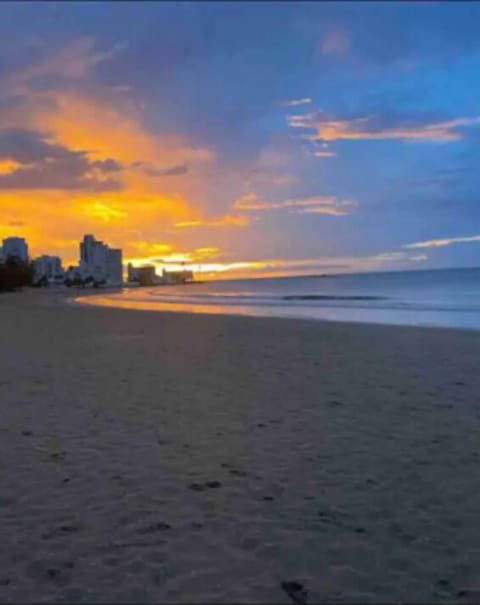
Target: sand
[(151, 457)]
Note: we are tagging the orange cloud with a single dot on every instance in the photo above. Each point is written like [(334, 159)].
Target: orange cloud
[(150, 205), (9, 166), (207, 252), (103, 211), (84, 123), (109, 133), (161, 256), (149, 248), (55, 221), (224, 221)]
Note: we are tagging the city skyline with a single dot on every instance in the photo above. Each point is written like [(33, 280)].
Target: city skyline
[(247, 139)]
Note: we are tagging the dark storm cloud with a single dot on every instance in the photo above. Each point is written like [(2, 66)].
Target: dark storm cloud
[(38, 163)]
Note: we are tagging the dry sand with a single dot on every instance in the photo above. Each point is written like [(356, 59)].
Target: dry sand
[(182, 458)]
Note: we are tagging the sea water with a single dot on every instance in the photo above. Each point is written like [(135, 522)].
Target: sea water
[(444, 297)]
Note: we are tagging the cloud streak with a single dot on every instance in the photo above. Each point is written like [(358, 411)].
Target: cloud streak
[(374, 128), (440, 243), (296, 102), (224, 221), (324, 154), (318, 204)]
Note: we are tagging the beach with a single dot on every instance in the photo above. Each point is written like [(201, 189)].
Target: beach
[(170, 457)]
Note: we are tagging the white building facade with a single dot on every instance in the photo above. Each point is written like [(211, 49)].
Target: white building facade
[(15, 247)]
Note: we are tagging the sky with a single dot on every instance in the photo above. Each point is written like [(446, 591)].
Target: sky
[(244, 138)]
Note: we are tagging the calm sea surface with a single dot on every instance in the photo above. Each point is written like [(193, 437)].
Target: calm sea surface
[(448, 298)]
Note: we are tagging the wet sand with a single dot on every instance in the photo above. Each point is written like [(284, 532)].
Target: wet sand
[(151, 457)]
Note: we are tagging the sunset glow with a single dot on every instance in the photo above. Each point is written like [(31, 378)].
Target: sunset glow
[(137, 132)]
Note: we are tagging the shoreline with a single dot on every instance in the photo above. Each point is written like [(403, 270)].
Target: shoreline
[(76, 300), (191, 458)]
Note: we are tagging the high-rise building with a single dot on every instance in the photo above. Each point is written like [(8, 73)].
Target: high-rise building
[(101, 263), (114, 267), (147, 275), (133, 273), (48, 268), (15, 247), (87, 249)]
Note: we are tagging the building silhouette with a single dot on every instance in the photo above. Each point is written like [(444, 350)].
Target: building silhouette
[(98, 262), (15, 247), (48, 269)]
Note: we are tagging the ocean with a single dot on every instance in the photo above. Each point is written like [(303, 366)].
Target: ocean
[(444, 297)]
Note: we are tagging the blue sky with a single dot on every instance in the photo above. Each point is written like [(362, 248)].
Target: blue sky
[(253, 138)]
